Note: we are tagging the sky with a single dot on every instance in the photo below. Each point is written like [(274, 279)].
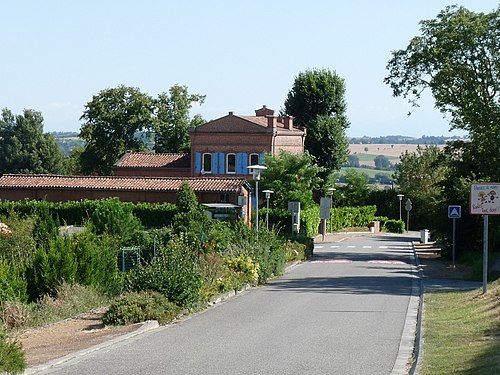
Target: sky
[(56, 55)]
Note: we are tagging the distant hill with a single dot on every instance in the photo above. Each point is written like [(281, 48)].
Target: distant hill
[(401, 139), (67, 141)]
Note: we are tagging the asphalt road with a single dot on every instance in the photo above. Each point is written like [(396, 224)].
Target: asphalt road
[(343, 312)]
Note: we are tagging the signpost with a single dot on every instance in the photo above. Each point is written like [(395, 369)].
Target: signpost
[(408, 208), (454, 212), (485, 201), (324, 213)]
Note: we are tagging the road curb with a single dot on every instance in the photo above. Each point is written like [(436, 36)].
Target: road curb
[(409, 346)]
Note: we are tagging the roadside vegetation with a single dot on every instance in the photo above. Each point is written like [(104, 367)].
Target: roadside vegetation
[(179, 264), (462, 332)]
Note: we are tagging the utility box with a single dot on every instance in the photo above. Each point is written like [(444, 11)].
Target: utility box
[(424, 236), (375, 226)]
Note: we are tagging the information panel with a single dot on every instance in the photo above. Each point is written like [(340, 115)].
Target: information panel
[(485, 199)]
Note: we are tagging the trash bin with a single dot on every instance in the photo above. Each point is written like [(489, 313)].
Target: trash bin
[(424, 235)]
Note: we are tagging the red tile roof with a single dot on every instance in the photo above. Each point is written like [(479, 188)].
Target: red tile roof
[(149, 160), (198, 184)]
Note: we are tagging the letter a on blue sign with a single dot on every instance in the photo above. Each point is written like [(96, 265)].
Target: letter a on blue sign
[(454, 212)]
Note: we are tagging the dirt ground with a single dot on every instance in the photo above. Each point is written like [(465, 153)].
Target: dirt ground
[(44, 344), (59, 339)]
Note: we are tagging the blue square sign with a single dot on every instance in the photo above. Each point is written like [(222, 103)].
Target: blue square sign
[(454, 212)]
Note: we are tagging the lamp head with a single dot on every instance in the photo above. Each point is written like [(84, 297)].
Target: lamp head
[(256, 171)]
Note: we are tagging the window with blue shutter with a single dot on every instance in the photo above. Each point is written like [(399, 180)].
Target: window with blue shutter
[(197, 163), (215, 163), (261, 158), (221, 163), (242, 163)]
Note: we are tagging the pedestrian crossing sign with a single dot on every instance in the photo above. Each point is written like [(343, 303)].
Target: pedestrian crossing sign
[(454, 212)]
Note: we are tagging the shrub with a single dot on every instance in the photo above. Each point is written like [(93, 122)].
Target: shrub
[(13, 286), (13, 314), (12, 358), (174, 272), (134, 307), (19, 246), (115, 218), (390, 225)]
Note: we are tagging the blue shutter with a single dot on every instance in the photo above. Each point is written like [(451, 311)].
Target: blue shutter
[(261, 158), (197, 163), (221, 163), (215, 163), (241, 163)]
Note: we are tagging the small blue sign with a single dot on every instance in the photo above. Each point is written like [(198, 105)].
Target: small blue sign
[(454, 212)]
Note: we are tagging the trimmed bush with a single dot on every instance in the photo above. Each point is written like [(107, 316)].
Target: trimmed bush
[(135, 307)]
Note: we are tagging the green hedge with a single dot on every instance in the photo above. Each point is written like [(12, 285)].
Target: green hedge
[(390, 225), (348, 217), (154, 215)]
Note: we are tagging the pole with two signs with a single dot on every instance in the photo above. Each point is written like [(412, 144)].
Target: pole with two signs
[(485, 201)]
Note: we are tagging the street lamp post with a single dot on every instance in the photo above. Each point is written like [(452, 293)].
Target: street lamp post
[(268, 195), (400, 196), (256, 171)]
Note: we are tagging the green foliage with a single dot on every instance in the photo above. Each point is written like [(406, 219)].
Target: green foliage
[(174, 272), (86, 258), (77, 213), (97, 261), (353, 161), (12, 359), (25, 148), (382, 162), (19, 246), (317, 101), (310, 220), (46, 228), (172, 119), (50, 267), (155, 215), (355, 192), (116, 218), (348, 217), (390, 225), (292, 177), (112, 118), (13, 285), (135, 307), (186, 200)]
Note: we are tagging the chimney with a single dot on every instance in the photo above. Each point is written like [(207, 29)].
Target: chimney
[(288, 122), (271, 121), (264, 111), (230, 113)]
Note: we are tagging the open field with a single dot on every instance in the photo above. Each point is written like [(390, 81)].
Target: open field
[(367, 152)]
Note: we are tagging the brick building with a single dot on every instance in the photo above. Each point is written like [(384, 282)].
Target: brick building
[(224, 147), (218, 194)]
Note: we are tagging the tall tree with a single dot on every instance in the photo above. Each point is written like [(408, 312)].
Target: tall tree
[(25, 148), (112, 119), (173, 121), (457, 58), (317, 101), (292, 177)]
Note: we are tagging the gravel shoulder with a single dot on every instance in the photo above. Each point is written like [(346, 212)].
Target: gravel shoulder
[(57, 340)]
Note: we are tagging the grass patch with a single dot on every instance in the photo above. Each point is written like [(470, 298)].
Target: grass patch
[(462, 332), (71, 300), (369, 172)]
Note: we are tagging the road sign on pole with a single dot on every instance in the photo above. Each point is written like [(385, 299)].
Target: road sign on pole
[(454, 212), (408, 207), (485, 200)]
